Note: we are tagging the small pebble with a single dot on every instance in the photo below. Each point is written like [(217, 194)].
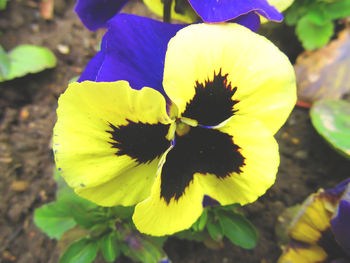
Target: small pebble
[(302, 155), (63, 49), (295, 141), (19, 186), (24, 114)]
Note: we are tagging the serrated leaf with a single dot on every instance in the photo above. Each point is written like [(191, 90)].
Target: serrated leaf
[(313, 35), (238, 229), (82, 251), (4, 64), (331, 119), (54, 219), (109, 247), (26, 59)]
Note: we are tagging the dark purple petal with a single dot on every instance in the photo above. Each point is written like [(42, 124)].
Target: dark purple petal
[(208, 201), (341, 225), (250, 20), (133, 49), (224, 10), (95, 13), (339, 189)]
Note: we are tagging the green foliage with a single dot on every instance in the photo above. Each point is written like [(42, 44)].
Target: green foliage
[(3, 4), (110, 249), (85, 229), (24, 59), (331, 120), (238, 229), (82, 251), (219, 222), (54, 219), (314, 20)]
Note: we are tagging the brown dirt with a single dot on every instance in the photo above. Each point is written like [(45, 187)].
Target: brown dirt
[(27, 115)]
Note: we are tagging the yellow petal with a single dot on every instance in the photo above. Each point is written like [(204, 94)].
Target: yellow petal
[(263, 75), (299, 254), (154, 216), (156, 6), (126, 189), (260, 151), (83, 147), (313, 219)]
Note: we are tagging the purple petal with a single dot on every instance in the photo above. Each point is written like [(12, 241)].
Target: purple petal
[(91, 70), (133, 49), (250, 20), (94, 14), (224, 10), (341, 225), (208, 201), (339, 189)]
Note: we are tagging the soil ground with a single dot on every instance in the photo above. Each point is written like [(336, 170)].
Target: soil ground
[(27, 115)]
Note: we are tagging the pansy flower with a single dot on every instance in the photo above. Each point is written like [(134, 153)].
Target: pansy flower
[(321, 231), (95, 13), (165, 116)]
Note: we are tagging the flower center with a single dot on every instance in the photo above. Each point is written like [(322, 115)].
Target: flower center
[(182, 128), (183, 125)]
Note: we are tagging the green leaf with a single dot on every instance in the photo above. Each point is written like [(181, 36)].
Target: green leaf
[(148, 252), (109, 247), (295, 11), (318, 15), (123, 212), (338, 9), (313, 35), (238, 229), (4, 64), (26, 59), (215, 230), (82, 251), (199, 225), (331, 120), (54, 219), (3, 4)]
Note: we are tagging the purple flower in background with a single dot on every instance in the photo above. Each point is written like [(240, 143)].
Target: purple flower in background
[(95, 13)]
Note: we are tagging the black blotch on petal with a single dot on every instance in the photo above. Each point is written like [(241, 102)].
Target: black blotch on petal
[(199, 151), (141, 141), (212, 103)]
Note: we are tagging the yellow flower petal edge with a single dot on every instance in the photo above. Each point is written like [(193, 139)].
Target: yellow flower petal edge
[(260, 151), (156, 217), (83, 144), (262, 74), (156, 6), (300, 254), (313, 219)]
